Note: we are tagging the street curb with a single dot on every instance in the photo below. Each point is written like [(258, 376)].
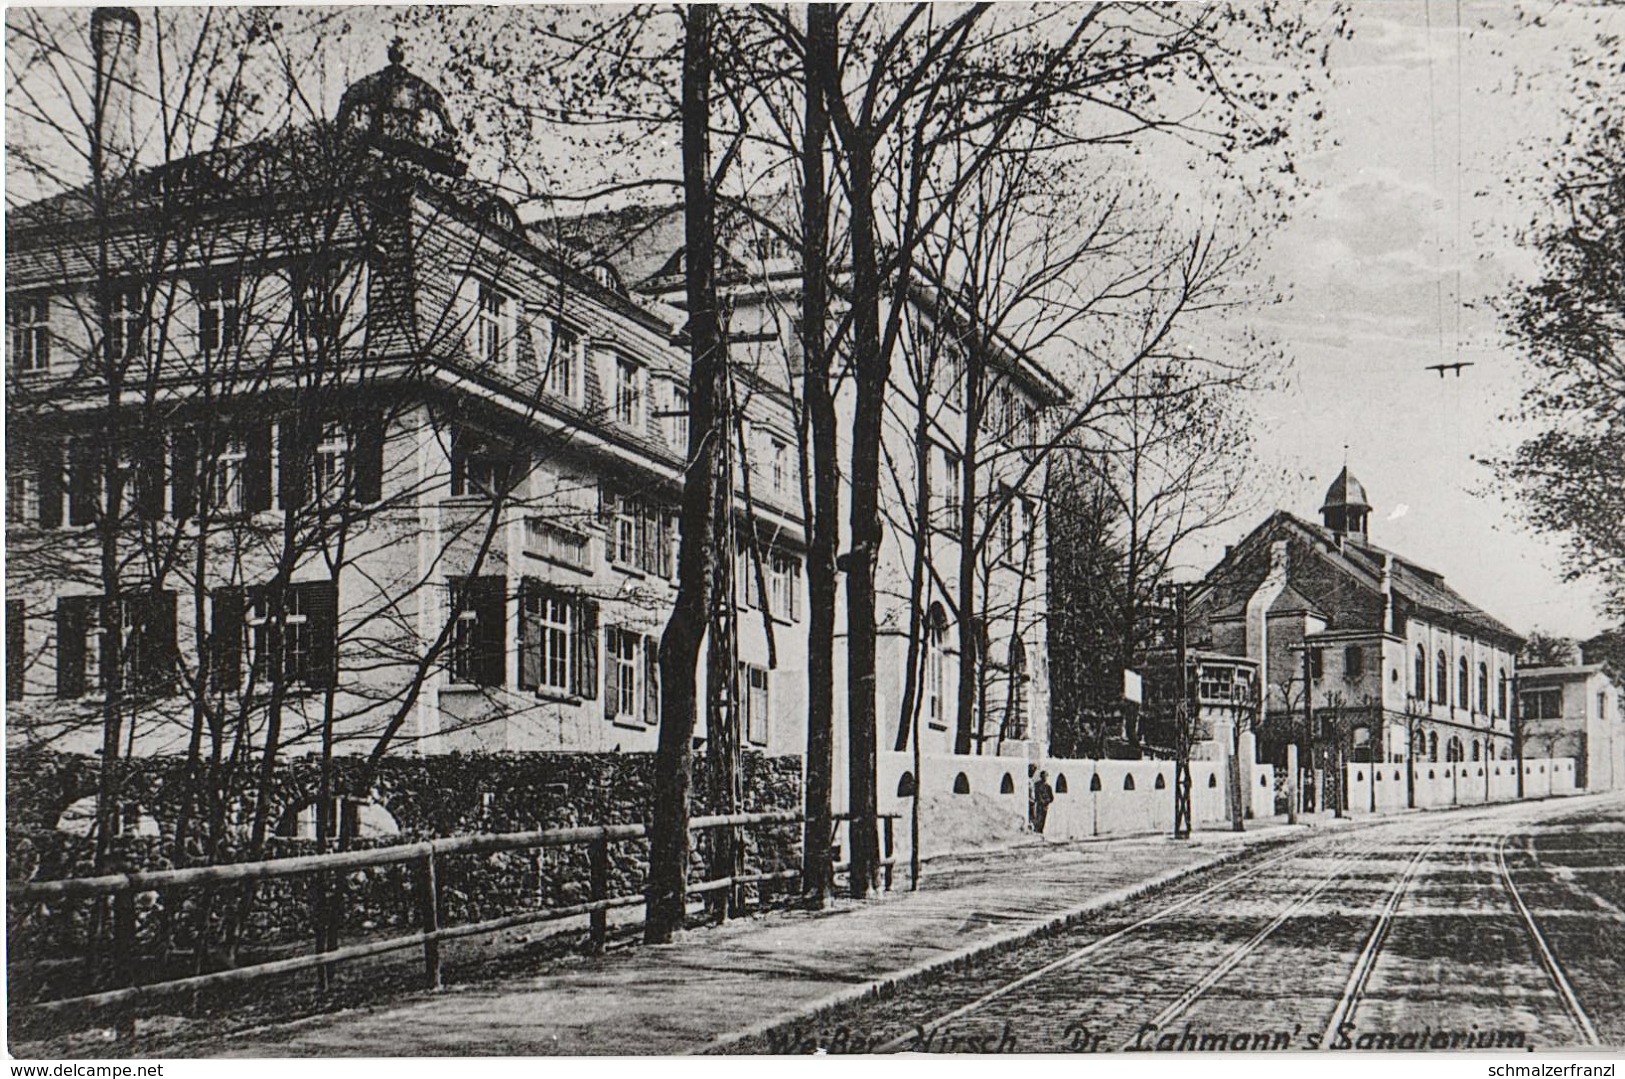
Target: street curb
[(889, 984)]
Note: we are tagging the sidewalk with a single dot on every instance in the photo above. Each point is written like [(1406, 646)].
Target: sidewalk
[(756, 972)]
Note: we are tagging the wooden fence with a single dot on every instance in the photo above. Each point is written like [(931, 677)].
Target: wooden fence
[(122, 888)]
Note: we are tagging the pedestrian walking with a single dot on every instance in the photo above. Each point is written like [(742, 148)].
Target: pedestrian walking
[(1043, 795)]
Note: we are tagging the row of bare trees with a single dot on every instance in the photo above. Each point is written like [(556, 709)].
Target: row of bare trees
[(968, 199)]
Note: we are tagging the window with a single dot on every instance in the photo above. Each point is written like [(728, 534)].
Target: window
[(30, 322), (236, 476), (1602, 704), (1501, 698), (1542, 704), (753, 702), (1215, 683), (952, 491), (480, 466), (640, 535), (544, 539), (476, 651), (145, 626), (784, 585), (677, 418), (953, 370), (564, 365), (22, 493), (1419, 687), (558, 640), (219, 321), (1015, 721), (225, 493), (780, 455), (1317, 663), (316, 307), (620, 674), (1462, 697), (126, 321), (292, 638), (1483, 688), (1441, 678), (493, 342), (1353, 662), (548, 624), (330, 462), (628, 393), (1007, 522), (936, 675)]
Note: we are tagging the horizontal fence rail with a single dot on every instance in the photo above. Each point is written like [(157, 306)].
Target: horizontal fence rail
[(423, 856)]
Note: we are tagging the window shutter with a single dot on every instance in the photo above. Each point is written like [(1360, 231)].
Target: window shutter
[(612, 671), (70, 646), (585, 651), (293, 460), (524, 341), (793, 568), (257, 468), (158, 648), (16, 646), (667, 563), (530, 645), (183, 474), (149, 477), (651, 680), (226, 640), (50, 484), (459, 462), (320, 601), (489, 600), (368, 459), (82, 485)]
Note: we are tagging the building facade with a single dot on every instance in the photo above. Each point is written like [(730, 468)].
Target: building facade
[(1575, 712), (313, 443), (1360, 651), (337, 452)]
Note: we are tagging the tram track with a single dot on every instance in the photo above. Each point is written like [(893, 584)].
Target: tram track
[(1343, 860), (1548, 958)]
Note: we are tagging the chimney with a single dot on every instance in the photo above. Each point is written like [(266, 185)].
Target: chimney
[(115, 39)]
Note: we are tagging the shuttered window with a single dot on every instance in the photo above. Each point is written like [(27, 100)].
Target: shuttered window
[(286, 635), (145, 628), (476, 651)]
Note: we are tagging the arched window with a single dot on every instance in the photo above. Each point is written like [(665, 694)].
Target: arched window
[(1501, 701), (1094, 782), (905, 785), (1441, 678), (961, 783), (1007, 785), (1462, 697), (1161, 784), (1419, 688), (1433, 747), (936, 667), (1475, 749), (1015, 714), (1212, 781), (1128, 781), (1060, 783), (1484, 688)]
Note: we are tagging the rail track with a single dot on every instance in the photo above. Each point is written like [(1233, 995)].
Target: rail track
[(1327, 997)]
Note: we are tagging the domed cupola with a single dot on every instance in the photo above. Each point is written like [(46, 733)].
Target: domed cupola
[(400, 113), (1346, 510)]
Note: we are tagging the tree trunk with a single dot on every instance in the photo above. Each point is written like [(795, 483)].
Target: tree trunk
[(825, 523), (969, 646), (685, 630), (870, 367)]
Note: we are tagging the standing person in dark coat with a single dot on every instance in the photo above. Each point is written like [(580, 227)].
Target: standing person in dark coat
[(1043, 795)]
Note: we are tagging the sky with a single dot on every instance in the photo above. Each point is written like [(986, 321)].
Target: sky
[(1436, 113)]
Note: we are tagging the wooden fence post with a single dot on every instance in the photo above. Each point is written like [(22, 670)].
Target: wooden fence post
[(124, 960), (429, 908), (598, 855)]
